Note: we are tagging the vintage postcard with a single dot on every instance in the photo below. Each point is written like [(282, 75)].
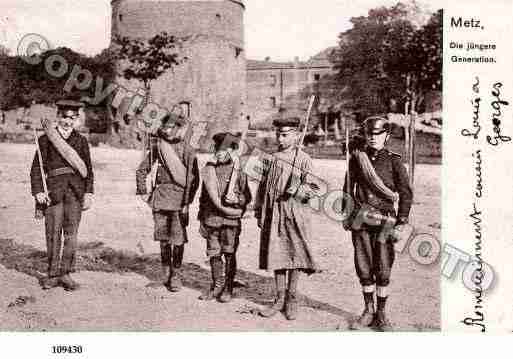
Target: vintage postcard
[(254, 166)]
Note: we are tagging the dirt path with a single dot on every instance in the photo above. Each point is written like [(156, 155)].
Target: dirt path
[(119, 264)]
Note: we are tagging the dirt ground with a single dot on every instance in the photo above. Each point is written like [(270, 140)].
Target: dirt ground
[(118, 263)]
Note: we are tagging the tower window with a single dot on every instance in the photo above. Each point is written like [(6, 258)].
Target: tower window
[(273, 80), (121, 17)]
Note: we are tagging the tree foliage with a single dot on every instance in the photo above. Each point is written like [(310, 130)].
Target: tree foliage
[(24, 83), (385, 59), (147, 60)]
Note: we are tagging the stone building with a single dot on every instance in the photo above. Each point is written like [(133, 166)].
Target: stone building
[(211, 83), (274, 85)]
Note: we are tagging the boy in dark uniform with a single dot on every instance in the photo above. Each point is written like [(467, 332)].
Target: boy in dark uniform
[(69, 175), (377, 179), (176, 183), (220, 216)]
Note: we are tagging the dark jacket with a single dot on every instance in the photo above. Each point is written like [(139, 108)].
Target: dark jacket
[(167, 194), (208, 213), (390, 169), (52, 160)]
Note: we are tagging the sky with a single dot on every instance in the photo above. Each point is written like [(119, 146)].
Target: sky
[(280, 29)]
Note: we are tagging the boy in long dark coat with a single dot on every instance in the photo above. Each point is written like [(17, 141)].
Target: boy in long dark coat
[(281, 209)]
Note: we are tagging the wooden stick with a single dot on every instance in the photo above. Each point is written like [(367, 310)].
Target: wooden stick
[(41, 169)]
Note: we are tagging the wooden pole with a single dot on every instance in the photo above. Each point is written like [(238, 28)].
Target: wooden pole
[(325, 129), (412, 157)]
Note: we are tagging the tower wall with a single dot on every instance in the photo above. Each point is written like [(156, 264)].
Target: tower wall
[(213, 78)]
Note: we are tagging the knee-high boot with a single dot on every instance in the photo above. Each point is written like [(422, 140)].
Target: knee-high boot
[(216, 266), (230, 270)]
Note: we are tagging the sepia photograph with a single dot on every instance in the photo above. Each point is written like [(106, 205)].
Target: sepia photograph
[(220, 165)]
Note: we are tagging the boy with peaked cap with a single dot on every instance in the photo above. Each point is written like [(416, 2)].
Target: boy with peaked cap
[(220, 217), (281, 209), (176, 183), (377, 179), (67, 170)]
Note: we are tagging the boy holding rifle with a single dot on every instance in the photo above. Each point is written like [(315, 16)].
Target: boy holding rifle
[(224, 196), (281, 209), (61, 180)]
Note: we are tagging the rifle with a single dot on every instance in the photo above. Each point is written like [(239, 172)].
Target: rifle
[(293, 188), (38, 212), (231, 197), (307, 120)]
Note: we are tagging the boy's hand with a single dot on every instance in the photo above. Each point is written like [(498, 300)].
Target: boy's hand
[(185, 216), (143, 197), (42, 198), (88, 201)]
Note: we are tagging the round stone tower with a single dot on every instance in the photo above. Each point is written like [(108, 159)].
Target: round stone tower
[(212, 81)]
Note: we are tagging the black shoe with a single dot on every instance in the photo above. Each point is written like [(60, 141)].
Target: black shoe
[(381, 322), (68, 283), (174, 283), (50, 282), (364, 321), (277, 306), (213, 293), (227, 294)]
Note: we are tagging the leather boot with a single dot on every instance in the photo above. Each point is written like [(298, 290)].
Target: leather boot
[(381, 322), (291, 306), (216, 266), (367, 317), (178, 256), (276, 307), (230, 270), (166, 271), (175, 280), (50, 282), (68, 283)]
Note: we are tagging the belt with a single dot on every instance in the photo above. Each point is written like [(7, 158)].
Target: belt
[(60, 171)]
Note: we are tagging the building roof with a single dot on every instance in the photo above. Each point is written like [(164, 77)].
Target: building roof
[(320, 60)]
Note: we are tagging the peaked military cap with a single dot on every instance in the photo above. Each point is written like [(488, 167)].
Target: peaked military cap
[(376, 125), (292, 122), (226, 140), (69, 104)]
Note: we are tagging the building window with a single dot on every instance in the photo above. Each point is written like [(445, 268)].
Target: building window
[(272, 102), (218, 16), (273, 81), (317, 77), (120, 17)]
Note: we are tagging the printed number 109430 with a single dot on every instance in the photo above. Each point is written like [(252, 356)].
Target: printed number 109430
[(66, 349)]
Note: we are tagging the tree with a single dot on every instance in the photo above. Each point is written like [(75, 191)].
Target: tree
[(145, 61), (384, 58)]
